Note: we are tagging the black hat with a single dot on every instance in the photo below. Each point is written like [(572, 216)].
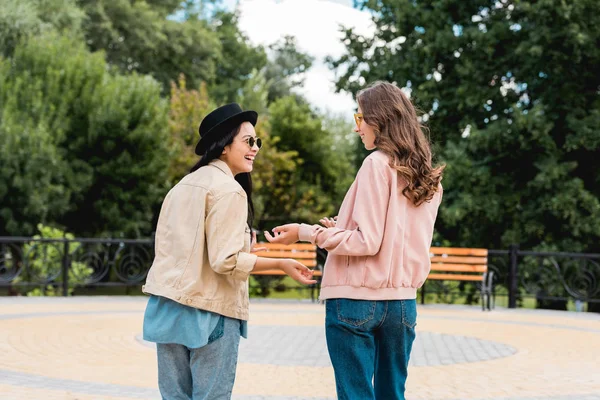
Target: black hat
[(220, 122)]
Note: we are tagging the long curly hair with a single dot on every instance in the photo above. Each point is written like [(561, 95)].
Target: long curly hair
[(400, 135)]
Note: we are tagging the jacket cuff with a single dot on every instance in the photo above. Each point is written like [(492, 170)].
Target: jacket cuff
[(245, 265), (305, 232)]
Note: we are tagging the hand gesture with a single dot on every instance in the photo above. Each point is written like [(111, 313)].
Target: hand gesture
[(284, 234), (253, 247), (297, 271), (328, 222)]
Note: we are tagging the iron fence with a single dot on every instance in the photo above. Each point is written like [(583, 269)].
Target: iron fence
[(63, 264), (553, 279)]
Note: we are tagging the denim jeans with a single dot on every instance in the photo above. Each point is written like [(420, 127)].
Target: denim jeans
[(369, 343), (206, 373)]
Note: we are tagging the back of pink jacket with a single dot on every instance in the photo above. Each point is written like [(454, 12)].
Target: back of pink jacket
[(379, 249)]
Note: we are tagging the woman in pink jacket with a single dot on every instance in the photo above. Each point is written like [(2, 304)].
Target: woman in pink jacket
[(378, 248)]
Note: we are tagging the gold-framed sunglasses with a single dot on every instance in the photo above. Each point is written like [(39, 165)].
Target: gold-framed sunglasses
[(252, 141), (358, 118)]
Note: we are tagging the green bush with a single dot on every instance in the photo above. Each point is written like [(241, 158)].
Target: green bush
[(44, 261)]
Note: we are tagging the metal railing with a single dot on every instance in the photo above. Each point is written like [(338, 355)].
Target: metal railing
[(81, 262), (74, 262), (548, 276)]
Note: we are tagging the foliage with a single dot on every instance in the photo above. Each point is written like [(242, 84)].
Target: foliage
[(254, 95), (510, 92), (21, 19), (100, 135), (285, 70), (236, 60), (187, 108), (138, 36), (319, 186), (45, 260), (272, 179)]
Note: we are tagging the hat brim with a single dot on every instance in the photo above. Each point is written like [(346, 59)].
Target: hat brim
[(225, 126)]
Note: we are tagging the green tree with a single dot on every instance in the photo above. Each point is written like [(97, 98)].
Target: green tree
[(510, 91), (33, 179), (345, 143), (236, 60), (138, 36), (273, 168), (254, 95), (285, 70), (103, 152), (187, 108), (320, 184), (20, 19)]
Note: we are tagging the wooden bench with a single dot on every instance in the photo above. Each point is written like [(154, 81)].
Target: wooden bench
[(461, 264), (305, 253)]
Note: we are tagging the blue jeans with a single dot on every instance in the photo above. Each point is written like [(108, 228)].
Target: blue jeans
[(206, 373), (369, 343)]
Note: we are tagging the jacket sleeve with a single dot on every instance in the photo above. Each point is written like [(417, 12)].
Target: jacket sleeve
[(226, 234), (369, 213)]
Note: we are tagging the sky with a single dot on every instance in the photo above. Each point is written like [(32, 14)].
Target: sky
[(315, 24)]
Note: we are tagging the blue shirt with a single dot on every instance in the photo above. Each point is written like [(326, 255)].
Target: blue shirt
[(166, 321)]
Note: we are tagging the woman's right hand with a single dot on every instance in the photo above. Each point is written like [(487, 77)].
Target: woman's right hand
[(284, 234), (297, 271)]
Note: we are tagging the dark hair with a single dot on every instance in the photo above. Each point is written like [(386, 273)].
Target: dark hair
[(214, 151)]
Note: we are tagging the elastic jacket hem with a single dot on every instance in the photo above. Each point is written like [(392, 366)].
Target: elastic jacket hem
[(365, 293)]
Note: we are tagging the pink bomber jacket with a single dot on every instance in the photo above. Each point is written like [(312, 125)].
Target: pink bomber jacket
[(379, 249)]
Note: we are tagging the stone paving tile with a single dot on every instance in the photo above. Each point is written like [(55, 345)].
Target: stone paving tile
[(89, 388), (306, 346), (574, 397), (24, 393), (86, 348)]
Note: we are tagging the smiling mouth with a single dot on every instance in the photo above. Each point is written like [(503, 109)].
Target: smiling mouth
[(251, 159)]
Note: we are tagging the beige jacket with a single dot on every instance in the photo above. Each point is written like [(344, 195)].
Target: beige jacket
[(203, 244)]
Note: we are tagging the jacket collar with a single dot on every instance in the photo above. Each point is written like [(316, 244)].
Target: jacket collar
[(222, 165)]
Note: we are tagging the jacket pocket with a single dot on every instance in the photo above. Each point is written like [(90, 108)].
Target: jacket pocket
[(355, 312)]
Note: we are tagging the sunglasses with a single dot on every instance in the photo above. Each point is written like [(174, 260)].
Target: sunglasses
[(252, 141), (358, 118)]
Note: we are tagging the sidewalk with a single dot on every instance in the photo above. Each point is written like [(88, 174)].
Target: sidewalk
[(91, 348)]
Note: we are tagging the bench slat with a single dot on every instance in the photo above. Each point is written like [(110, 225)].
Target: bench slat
[(296, 246), (459, 260), (280, 272), (443, 260), (286, 254), (451, 251), (455, 277), (458, 267), (309, 263)]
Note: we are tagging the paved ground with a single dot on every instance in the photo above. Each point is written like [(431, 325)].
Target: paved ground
[(88, 348)]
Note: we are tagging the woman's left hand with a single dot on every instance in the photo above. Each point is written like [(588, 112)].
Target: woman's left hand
[(328, 222), (284, 234)]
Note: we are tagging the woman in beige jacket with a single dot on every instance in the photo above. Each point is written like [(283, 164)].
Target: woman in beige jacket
[(198, 282)]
